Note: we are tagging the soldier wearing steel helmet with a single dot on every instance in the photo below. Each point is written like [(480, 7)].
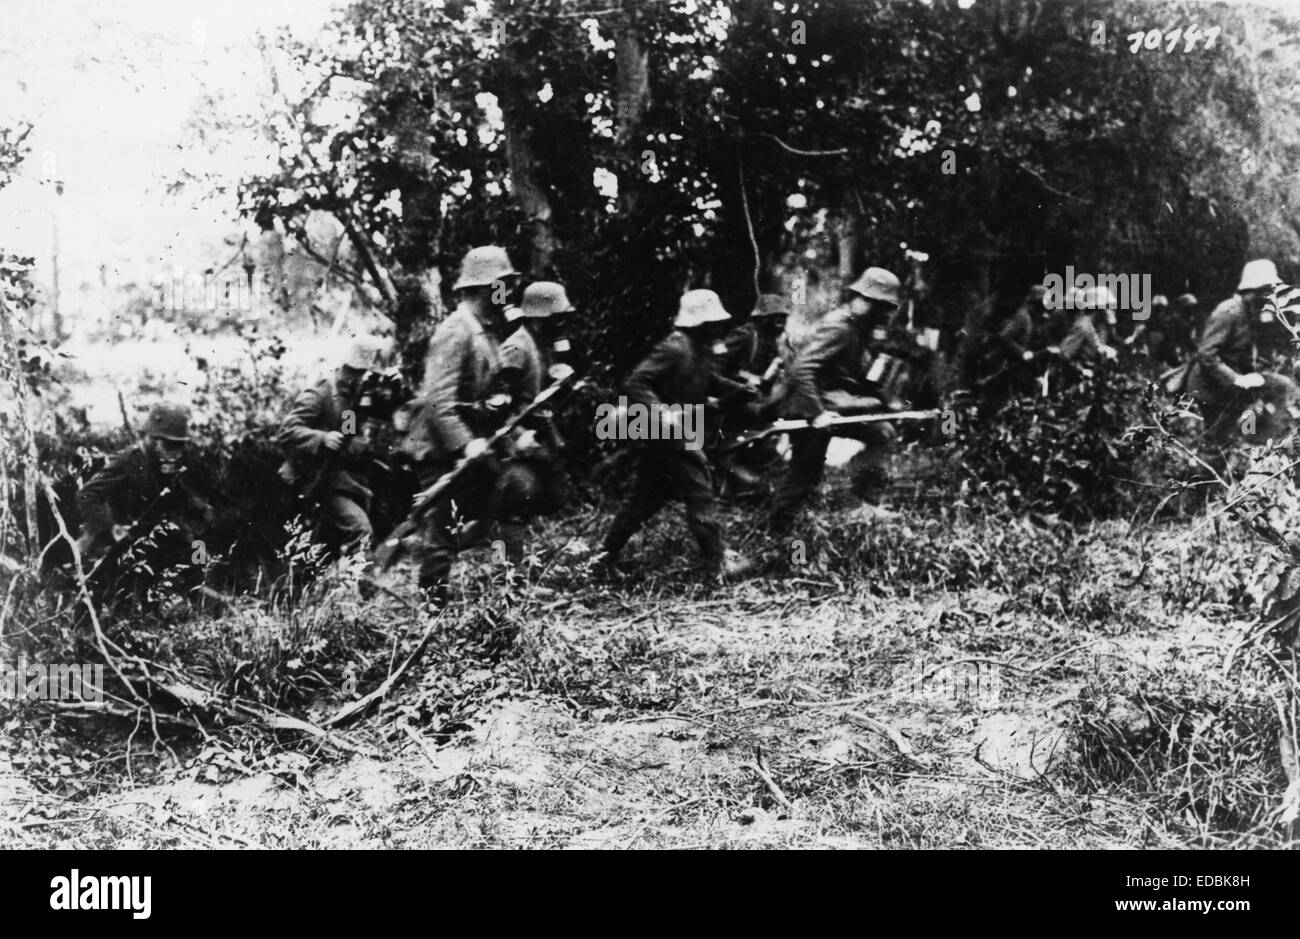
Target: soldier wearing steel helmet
[(329, 451), (1225, 375), (538, 343), (532, 358), (829, 376), (753, 354), (144, 484), (1089, 340), (454, 416), (681, 369), (758, 345)]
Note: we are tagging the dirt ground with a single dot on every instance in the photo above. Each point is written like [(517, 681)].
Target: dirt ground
[(797, 711)]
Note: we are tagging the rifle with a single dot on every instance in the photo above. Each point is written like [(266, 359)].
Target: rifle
[(784, 426), (387, 552)]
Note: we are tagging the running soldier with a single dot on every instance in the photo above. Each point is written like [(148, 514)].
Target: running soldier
[(681, 369), (828, 378), (454, 417)]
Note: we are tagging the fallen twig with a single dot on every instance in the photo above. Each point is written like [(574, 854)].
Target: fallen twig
[(763, 774), (351, 712)]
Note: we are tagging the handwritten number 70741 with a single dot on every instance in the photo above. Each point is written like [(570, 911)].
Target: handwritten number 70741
[(1152, 39)]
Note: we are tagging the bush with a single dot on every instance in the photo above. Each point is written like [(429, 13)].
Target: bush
[(1083, 452)]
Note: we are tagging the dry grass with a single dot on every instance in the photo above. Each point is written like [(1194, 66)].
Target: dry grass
[(569, 711)]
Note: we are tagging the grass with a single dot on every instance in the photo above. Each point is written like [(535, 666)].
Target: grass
[(576, 711)]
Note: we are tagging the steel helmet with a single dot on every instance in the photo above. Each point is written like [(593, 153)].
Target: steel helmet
[(1094, 298), (483, 267), (699, 307), (543, 299), (364, 353), (771, 304), (169, 421), (1258, 275), (876, 283), (1160, 300), (1186, 300)]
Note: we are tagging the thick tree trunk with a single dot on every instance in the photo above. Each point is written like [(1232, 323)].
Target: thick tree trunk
[(532, 196)]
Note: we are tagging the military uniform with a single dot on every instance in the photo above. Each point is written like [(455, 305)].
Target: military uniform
[(538, 481), (463, 358), (332, 482), (133, 487), (681, 370), (828, 374), (1228, 350), (754, 354)]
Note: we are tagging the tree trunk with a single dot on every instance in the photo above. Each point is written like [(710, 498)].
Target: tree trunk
[(847, 242), (30, 461), (631, 100), (528, 190)]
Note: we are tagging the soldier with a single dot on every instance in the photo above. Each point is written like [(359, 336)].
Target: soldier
[(1225, 376), (455, 417), (757, 349), (142, 485), (680, 369), (331, 447), (1088, 340), (1009, 363), (530, 353), (1188, 324), (755, 354), (828, 376), (531, 359)]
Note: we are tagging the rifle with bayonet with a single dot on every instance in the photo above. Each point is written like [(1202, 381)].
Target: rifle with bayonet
[(786, 426), (389, 550)]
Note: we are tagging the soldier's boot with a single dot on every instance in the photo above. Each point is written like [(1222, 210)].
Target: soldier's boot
[(708, 535)]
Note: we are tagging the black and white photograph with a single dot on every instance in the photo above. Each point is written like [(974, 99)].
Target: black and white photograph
[(644, 425)]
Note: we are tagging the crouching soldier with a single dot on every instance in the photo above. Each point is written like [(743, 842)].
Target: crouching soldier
[(829, 378), (670, 388), (1226, 375), (330, 451), (143, 486), (532, 358), (454, 419)]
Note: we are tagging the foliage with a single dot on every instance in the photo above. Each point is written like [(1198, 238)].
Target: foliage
[(1079, 453), (739, 144), (1199, 744)]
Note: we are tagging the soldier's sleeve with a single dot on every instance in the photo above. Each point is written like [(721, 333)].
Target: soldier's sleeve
[(95, 499), (448, 349), (742, 346), (297, 433), (510, 374), (1218, 333), (725, 389), (655, 371)]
